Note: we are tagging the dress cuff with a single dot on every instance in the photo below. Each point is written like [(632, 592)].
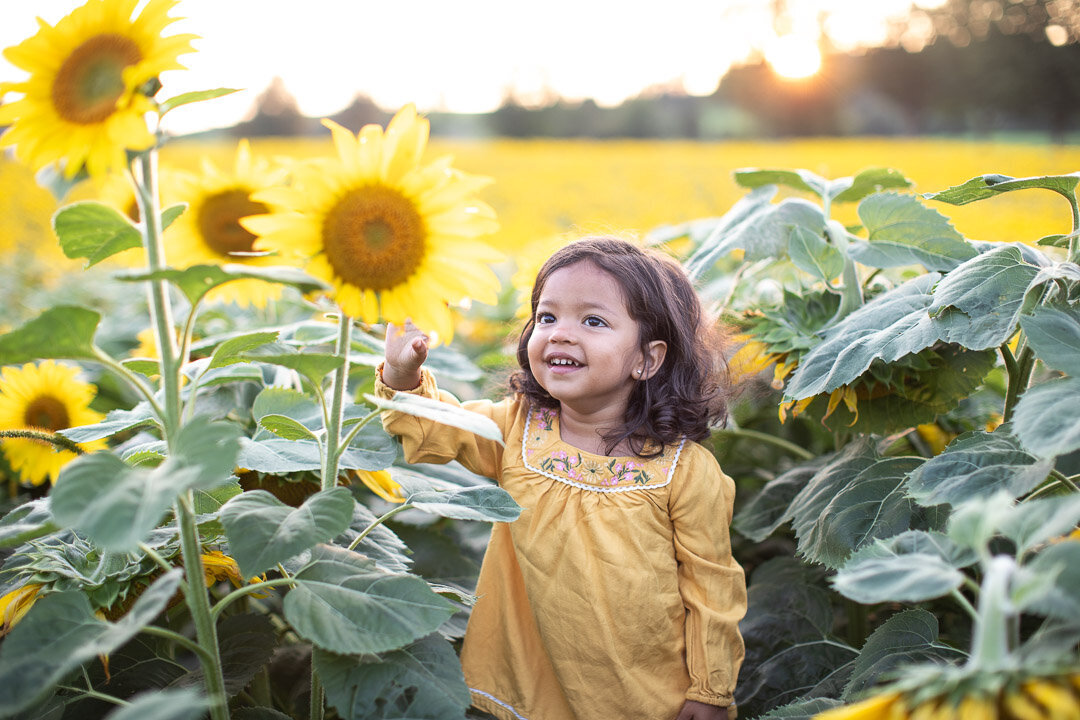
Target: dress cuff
[(427, 386)]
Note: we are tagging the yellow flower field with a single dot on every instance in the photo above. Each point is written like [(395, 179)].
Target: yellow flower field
[(543, 187)]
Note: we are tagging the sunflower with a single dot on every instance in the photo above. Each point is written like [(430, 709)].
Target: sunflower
[(83, 102), (209, 231), (45, 397), (380, 483), (15, 604), (395, 239), (1039, 698), (218, 567)]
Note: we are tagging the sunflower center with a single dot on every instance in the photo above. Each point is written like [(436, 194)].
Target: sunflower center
[(219, 217), (374, 238), (91, 79), (47, 413)]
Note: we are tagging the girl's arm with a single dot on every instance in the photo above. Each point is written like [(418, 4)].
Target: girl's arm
[(427, 441), (711, 582)]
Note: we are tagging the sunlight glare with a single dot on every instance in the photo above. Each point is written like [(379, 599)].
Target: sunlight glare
[(794, 56)]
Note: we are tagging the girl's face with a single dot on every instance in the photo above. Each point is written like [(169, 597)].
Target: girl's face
[(585, 349)]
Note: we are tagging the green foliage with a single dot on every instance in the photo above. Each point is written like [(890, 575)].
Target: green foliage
[(904, 512), (416, 681), (344, 604), (263, 531), (62, 634)]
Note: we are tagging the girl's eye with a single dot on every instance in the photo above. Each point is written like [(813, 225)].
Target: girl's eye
[(544, 318), (593, 321)]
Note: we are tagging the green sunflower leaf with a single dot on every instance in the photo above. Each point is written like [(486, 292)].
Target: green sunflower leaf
[(344, 604), (486, 503), (908, 637), (440, 412), (716, 237), (61, 632), (977, 464), (887, 328), (870, 181), (264, 531), (313, 366), (812, 254), (839, 472), (422, 680), (232, 350), (372, 450), (115, 422), (872, 504), (902, 231), (118, 506), (1032, 523), (286, 427), (879, 573), (770, 508), (94, 231), (182, 704), (982, 187), (28, 521), (1054, 334), (61, 332), (803, 180), (193, 97), (198, 280), (977, 304), (1046, 420), (1060, 561)]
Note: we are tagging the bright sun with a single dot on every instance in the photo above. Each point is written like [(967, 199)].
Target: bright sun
[(794, 56)]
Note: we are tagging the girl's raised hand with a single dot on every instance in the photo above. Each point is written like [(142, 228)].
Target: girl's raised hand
[(406, 351)]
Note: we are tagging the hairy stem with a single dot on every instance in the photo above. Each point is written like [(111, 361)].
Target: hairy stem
[(56, 439), (1018, 381)]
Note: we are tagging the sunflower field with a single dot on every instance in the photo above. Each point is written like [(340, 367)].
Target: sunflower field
[(205, 517)]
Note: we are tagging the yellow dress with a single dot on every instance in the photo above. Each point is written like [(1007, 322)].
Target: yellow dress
[(614, 595)]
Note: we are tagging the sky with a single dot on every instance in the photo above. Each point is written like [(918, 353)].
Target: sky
[(466, 55)]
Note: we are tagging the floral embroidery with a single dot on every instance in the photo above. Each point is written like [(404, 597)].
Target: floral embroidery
[(554, 458)]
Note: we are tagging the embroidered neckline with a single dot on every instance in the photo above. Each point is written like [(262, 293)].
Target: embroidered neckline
[(544, 452)]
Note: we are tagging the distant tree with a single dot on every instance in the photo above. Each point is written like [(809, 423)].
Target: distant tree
[(275, 112)]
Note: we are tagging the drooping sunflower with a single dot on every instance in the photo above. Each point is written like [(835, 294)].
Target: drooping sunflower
[(394, 238), (49, 397), (209, 231), (84, 102)]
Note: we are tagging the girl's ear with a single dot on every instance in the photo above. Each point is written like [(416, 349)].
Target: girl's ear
[(653, 358)]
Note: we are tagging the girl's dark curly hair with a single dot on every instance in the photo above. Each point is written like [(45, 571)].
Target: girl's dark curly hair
[(687, 394)]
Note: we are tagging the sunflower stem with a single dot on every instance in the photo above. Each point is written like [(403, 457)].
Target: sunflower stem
[(133, 380), (87, 692), (56, 439), (160, 305), (337, 404), (792, 448), (355, 430), (993, 624), (1018, 382), (177, 638), (235, 595), (377, 522), (198, 602)]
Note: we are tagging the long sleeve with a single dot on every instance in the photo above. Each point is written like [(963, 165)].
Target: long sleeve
[(428, 441), (711, 583)]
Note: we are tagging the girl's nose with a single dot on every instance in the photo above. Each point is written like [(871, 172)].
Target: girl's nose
[(559, 334)]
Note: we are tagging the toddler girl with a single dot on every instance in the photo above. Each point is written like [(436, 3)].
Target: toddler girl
[(614, 595)]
